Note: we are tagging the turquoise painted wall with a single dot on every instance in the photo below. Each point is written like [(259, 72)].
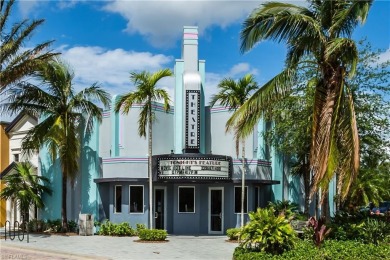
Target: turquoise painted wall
[(114, 129), (179, 107), (277, 174), (260, 140), (52, 209), (89, 170), (202, 71)]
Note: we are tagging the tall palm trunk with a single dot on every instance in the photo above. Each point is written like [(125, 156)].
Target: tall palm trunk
[(325, 210), (63, 206), (306, 182), (243, 184), (150, 167)]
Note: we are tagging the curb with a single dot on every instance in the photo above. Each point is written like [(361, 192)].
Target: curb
[(51, 252)]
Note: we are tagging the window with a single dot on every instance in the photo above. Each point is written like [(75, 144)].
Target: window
[(186, 199), (136, 199), (118, 199), (237, 200), (16, 157)]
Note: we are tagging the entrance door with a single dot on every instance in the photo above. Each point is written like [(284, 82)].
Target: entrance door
[(159, 208), (216, 210)]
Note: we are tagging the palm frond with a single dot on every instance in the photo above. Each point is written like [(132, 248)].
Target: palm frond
[(278, 21), (158, 75), (344, 50), (347, 17), (247, 116)]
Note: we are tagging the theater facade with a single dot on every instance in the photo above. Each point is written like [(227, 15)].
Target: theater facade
[(196, 173)]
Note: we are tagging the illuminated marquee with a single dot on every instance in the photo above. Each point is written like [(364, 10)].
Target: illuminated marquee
[(192, 119), (193, 168)]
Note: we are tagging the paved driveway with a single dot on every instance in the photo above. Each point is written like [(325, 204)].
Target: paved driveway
[(102, 247)]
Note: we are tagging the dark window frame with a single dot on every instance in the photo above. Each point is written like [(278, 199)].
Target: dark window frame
[(131, 209), (180, 207), (116, 208), (239, 200)]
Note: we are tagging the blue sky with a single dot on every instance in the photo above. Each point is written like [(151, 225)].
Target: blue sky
[(104, 40)]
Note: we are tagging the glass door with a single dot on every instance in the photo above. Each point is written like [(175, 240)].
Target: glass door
[(159, 208), (216, 210)]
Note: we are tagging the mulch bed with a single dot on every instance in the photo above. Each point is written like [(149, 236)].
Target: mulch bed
[(146, 241), (231, 241)]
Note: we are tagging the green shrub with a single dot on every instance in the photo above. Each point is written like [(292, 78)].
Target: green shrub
[(152, 234), (360, 227), (123, 229), (36, 225), (285, 208), (108, 228), (54, 225), (267, 232), (140, 227), (374, 231), (331, 249), (233, 233), (72, 226)]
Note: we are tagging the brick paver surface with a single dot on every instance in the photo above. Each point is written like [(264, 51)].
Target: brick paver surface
[(103, 247)]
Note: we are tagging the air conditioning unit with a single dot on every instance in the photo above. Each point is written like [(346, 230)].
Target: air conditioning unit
[(86, 224)]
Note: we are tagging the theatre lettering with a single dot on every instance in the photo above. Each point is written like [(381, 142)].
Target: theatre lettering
[(190, 168)]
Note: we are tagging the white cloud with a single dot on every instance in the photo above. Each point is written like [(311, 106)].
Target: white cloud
[(235, 72), (161, 22), (110, 68), (384, 56), (242, 68), (26, 7)]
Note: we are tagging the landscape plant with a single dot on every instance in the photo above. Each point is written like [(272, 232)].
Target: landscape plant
[(108, 228), (153, 234), (267, 232), (233, 233), (331, 249), (140, 227), (320, 231), (25, 188), (285, 208)]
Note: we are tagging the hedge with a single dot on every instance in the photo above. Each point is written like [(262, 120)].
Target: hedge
[(331, 249), (152, 234)]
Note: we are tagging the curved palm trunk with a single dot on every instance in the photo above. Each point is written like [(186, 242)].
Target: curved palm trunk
[(243, 184), (150, 168)]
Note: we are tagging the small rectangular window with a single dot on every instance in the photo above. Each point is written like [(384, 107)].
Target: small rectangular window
[(136, 199), (237, 200), (118, 199), (186, 199), (16, 157)]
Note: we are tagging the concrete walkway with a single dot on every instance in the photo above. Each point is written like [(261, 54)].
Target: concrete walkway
[(103, 247)]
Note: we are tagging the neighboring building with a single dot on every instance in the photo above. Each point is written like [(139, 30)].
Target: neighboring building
[(4, 162), (196, 179), (10, 142)]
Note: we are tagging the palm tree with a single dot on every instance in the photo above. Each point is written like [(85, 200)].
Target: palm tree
[(233, 95), (146, 93), (25, 188), (322, 29), (16, 62), (63, 112)]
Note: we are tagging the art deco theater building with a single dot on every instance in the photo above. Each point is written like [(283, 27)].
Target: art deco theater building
[(196, 177)]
